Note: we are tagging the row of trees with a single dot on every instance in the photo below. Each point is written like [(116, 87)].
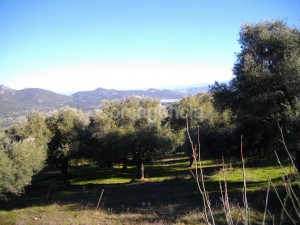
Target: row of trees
[(263, 95), (131, 129)]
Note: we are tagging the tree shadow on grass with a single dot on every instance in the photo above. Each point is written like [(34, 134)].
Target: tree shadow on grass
[(167, 200), (162, 198), (175, 191)]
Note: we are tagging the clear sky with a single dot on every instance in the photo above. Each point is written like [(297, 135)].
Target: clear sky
[(76, 45)]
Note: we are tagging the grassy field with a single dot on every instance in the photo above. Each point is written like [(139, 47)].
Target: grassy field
[(168, 195)]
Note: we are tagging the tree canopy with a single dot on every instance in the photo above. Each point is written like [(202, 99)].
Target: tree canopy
[(216, 129), (266, 83), (67, 127), (132, 128), (23, 153)]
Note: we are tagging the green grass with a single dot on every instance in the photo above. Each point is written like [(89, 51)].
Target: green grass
[(257, 178), (169, 192), (253, 174)]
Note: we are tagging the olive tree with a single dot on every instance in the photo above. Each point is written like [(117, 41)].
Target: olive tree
[(105, 140), (67, 127), (34, 127), (215, 128), (19, 161), (266, 79), (133, 127), (23, 151)]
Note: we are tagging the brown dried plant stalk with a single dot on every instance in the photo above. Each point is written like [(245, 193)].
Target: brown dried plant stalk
[(199, 177)]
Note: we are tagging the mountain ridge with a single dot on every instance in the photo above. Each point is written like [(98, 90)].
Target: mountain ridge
[(109, 94), (20, 102), (15, 102)]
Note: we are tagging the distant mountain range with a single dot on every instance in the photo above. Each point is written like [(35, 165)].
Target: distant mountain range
[(109, 94), (20, 102)]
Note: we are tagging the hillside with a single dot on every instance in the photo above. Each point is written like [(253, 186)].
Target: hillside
[(19, 101), (168, 196)]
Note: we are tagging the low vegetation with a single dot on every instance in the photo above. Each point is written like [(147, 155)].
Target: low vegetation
[(168, 195)]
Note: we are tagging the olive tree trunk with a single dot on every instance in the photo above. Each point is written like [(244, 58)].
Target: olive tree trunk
[(140, 169)]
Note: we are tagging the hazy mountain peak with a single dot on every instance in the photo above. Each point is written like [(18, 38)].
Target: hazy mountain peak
[(98, 89), (6, 90), (152, 89)]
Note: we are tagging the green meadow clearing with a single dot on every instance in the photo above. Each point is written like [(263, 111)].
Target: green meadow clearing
[(168, 195)]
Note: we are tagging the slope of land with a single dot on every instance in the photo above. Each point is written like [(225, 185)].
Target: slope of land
[(168, 196)]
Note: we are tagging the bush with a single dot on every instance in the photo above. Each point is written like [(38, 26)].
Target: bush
[(19, 161)]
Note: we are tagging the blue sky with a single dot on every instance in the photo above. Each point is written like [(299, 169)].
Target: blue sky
[(72, 45)]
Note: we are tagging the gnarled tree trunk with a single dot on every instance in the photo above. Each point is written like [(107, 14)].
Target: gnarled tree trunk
[(63, 167), (125, 162), (140, 169)]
